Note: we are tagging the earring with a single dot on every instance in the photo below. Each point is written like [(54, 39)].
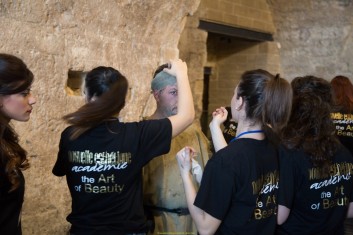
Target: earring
[(237, 108)]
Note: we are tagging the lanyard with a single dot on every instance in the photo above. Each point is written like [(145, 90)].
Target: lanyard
[(245, 133)]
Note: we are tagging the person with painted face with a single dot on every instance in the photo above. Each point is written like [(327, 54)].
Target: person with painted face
[(240, 182), (102, 157), (16, 103), (164, 197)]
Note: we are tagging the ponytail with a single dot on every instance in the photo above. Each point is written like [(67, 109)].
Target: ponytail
[(277, 103), (106, 90)]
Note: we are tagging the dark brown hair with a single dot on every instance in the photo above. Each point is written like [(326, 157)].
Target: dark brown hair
[(310, 127), (160, 69), (105, 89), (268, 98), (15, 77), (342, 89)]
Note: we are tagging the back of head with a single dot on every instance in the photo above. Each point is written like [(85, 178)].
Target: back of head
[(310, 127), (162, 79), (268, 98), (105, 89), (312, 85), (15, 77), (342, 90), (101, 79)]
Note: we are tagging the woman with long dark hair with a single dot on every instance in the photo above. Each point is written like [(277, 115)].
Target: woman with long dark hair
[(315, 187), (102, 157), (239, 185), (16, 103)]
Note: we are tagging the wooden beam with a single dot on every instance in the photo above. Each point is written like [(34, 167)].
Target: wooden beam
[(234, 31)]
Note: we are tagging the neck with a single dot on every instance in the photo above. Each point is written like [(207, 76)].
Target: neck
[(246, 131), (157, 115)]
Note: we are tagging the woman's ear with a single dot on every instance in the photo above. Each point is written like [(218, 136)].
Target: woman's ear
[(240, 103), (156, 95)]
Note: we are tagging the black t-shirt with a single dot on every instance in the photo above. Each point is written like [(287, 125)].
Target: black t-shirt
[(103, 169), (344, 128), (239, 187), (10, 205), (318, 202)]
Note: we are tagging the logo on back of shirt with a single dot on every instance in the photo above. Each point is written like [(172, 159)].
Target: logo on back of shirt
[(90, 163), (331, 196), (265, 188), (343, 123)]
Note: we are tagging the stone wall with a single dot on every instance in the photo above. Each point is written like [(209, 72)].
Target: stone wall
[(53, 37), (249, 14), (316, 37), (193, 50)]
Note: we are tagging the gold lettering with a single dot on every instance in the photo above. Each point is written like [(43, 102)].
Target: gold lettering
[(344, 168), (336, 116), (270, 200), (266, 183), (327, 203), (257, 214), (263, 214)]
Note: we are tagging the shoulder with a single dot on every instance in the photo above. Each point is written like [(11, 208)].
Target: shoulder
[(149, 123), (66, 132), (145, 122), (343, 154), (286, 152), (227, 155), (292, 156), (148, 129)]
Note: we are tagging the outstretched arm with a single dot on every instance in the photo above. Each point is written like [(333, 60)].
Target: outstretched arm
[(186, 111), (205, 223), (219, 116)]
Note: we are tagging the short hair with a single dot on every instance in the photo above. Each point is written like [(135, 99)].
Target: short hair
[(162, 79)]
